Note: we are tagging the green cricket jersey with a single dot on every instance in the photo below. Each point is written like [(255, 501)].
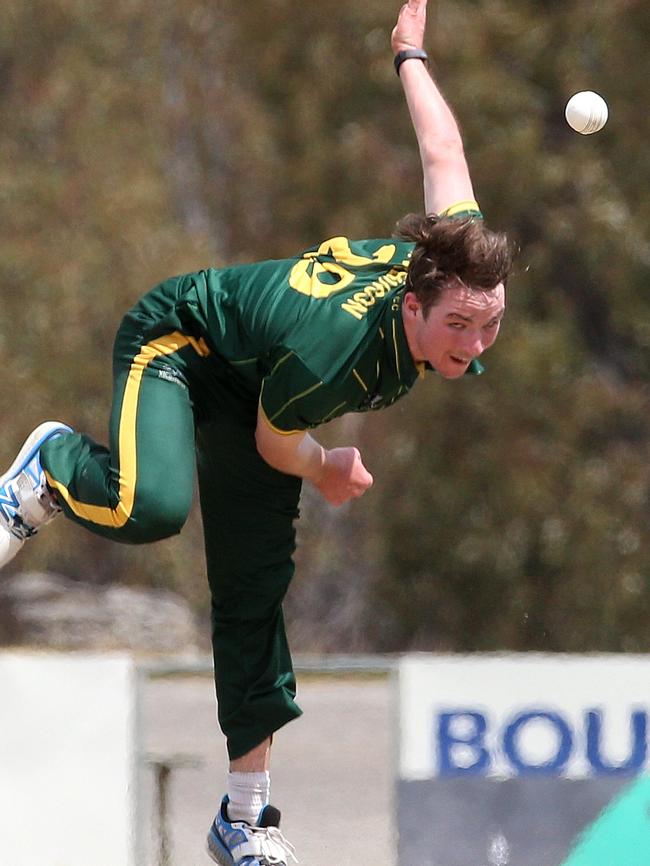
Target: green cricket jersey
[(313, 336)]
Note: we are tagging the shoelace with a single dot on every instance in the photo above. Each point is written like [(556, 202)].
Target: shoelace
[(24, 530), (21, 530), (274, 835)]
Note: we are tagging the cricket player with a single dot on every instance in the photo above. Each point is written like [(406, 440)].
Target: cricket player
[(228, 370)]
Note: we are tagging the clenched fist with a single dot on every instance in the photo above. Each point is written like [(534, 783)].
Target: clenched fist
[(343, 476)]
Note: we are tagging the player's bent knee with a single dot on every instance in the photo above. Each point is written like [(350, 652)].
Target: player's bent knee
[(146, 530), (156, 518)]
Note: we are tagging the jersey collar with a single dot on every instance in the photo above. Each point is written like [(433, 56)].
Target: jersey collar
[(396, 346)]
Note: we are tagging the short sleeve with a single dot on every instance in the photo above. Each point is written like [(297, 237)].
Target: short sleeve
[(290, 396), (463, 210)]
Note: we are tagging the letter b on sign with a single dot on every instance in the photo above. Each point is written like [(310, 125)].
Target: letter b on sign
[(461, 749)]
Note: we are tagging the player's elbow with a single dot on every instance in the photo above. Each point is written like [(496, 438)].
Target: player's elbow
[(269, 446), (263, 449), (445, 154)]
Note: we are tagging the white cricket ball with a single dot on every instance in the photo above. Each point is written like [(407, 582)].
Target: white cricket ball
[(586, 112)]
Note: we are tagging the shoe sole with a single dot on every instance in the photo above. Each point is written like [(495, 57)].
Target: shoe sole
[(32, 445), (218, 851)]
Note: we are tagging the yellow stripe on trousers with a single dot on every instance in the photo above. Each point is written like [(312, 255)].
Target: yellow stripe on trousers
[(128, 458)]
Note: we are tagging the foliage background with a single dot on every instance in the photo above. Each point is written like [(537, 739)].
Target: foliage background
[(142, 139)]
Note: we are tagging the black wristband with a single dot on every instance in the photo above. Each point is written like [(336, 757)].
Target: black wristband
[(410, 53)]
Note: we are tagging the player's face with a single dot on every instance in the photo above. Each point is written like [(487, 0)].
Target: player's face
[(456, 330)]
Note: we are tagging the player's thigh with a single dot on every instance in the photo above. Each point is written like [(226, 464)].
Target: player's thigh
[(152, 447)]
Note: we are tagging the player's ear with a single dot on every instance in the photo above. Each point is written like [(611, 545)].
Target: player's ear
[(411, 307)]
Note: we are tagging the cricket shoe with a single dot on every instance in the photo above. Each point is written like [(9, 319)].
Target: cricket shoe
[(236, 843), (26, 502)]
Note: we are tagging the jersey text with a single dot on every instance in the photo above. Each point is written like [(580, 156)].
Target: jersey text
[(359, 304)]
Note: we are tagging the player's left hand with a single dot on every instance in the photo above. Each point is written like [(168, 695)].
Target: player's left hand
[(409, 30)]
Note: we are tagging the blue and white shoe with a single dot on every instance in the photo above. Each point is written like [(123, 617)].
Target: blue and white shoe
[(26, 502), (237, 843)]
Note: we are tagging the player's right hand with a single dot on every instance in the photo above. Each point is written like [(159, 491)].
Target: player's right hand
[(409, 30), (343, 476)]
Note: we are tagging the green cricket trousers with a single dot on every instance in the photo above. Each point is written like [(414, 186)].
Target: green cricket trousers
[(177, 405)]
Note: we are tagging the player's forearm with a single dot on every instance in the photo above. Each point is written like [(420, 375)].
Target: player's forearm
[(297, 454), (435, 126), (445, 174), (307, 459)]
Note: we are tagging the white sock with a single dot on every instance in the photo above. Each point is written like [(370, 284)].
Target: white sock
[(248, 793)]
